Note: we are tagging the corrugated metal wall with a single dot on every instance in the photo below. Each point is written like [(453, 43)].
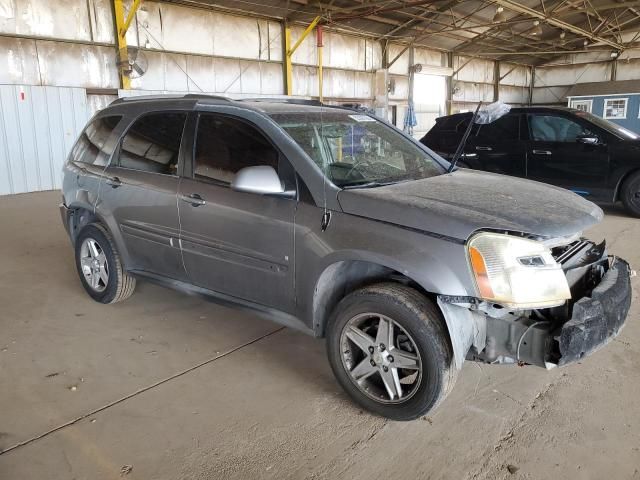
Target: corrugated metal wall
[(38, 126)]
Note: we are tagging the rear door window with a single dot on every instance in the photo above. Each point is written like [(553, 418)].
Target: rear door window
[(504, 129), (152, 144), (92, 147)]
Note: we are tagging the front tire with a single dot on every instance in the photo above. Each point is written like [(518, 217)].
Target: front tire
[(389, 349), (630, 194), (99, 266)]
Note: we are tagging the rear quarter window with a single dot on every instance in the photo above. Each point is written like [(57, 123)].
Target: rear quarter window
[(92, 146)]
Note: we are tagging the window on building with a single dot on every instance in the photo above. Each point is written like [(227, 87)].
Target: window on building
[(225, 145), (553, 128), (152, 144), (615, 108), (92, 146), (583, 105)]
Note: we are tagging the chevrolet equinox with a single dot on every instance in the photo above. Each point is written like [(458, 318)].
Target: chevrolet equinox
[(333, 222)]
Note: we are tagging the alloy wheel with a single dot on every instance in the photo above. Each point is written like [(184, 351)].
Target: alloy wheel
[(381, 358), (93, 262)]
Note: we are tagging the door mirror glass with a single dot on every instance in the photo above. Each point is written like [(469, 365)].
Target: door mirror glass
[(588, 139), (261, 179)]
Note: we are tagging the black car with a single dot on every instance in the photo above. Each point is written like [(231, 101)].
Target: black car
[(561, 146)]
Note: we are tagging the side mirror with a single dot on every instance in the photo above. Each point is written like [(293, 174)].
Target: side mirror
[(588, 139), (260, 179)]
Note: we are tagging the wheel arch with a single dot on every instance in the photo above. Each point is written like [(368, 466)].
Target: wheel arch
[(623, 178), (82, 214), (341, 277)]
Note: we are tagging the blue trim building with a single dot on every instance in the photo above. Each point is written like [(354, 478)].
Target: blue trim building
[(618, 101)]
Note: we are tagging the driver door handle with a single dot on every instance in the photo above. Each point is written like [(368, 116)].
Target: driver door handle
[(194, 199), (541, 152), (484, 149)]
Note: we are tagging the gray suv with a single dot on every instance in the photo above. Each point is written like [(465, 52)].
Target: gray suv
[(336, 223)]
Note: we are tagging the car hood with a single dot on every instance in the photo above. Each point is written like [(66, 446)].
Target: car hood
[(459, 203)]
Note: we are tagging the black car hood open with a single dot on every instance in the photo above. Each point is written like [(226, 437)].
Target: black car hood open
[(459, 203)]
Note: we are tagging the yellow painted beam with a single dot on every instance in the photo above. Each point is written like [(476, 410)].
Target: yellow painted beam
[(288, 66), (122, 25), (306, 32), (289, 50), (130, 16), (320, 44)]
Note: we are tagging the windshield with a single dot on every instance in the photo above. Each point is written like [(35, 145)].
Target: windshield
[(356, 150), (608, 126)]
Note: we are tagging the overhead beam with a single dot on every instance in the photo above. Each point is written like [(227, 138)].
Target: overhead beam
[(517, 7)]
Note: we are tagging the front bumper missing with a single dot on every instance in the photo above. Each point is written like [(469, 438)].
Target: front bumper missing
[(499, 336), (597, 319)]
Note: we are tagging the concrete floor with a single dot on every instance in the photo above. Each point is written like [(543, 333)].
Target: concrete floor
[(264, 403)]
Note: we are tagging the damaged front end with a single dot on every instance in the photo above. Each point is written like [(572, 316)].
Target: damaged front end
[(600, 289)]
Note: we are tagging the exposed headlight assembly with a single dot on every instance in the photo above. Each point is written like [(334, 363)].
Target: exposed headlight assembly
[(516, 272)]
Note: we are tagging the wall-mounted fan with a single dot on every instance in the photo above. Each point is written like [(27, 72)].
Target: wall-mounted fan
[(135, 64)]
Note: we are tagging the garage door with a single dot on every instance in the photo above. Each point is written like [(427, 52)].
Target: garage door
[(38, 126)]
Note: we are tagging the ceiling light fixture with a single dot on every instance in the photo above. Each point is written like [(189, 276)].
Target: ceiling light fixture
[(537, 29), (499, 17)]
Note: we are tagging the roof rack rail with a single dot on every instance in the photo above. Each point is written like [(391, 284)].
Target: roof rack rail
[(294, 101), (168, 96)]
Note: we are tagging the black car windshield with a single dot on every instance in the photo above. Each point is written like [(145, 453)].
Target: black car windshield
[(609, 126), (355, 150)]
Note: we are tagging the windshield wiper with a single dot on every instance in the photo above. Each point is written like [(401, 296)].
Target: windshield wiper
[(371, 184)]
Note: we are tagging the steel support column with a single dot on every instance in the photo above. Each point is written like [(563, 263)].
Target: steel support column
[(122, 25), (289, 51)]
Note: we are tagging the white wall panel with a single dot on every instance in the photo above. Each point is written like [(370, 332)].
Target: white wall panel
[(65, 19), (628, 70), (236, 36), (473, 92), (305, 81), (401, 91), (513, 95), (428, 57), (401, 65), (550, 94), (275, 41), (572, 74), (228, 75), (202, 73), (476, 70), (339, 84), (77, 65), (305, 54), (364, 85), (344, 51), (374, 55), (515, 75), (101, 18), (38, 126), (18, 61)]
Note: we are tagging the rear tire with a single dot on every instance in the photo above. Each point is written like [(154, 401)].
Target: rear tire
[(630, 194), (100, 267), (418, 341)]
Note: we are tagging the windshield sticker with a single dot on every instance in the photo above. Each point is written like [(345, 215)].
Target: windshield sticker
[(362, 118)]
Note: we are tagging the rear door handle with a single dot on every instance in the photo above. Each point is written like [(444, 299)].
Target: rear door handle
[(541, 152), (484, 149), (113, 181), (194, 199)]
